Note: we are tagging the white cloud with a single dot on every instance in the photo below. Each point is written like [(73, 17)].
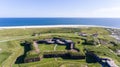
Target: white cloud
[(106, 12), (111, 12)]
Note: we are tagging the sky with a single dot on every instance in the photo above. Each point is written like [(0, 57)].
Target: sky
[(60, 8)]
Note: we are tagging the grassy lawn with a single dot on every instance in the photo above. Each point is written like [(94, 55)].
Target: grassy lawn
[(60, 47), (46, 47), (50, 47), (91, 30), (30, 31), (4, 46), (12, 37), (4, 56), (4, 52)]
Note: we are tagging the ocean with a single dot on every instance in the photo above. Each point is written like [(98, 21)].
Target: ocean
[(111, 22)]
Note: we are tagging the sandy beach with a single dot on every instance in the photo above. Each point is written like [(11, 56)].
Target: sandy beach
[(54, 26)]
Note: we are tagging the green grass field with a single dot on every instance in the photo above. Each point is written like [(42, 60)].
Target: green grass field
[(11, 49), (44, 47)]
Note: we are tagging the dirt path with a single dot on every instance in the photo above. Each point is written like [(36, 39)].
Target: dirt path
[(36, 47), (55, 47), (0, 49), (55, 50)]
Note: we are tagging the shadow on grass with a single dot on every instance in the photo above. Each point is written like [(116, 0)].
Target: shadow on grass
[(27, 48), (90, 59)]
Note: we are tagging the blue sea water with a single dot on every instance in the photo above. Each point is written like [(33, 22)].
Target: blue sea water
[(111, 22)]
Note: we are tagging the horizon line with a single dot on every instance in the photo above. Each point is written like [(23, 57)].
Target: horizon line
[(59, 17)]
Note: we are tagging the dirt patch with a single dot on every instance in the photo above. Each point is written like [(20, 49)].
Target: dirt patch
[(0, 49)]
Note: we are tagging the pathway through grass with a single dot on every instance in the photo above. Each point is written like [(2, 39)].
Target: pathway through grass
[(55, 50)]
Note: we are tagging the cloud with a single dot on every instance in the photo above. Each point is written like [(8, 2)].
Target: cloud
[(106, 12)]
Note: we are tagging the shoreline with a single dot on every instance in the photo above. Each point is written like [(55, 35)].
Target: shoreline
[(54, 26)]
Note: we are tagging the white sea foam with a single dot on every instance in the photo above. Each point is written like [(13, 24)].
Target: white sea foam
[(53, 26)]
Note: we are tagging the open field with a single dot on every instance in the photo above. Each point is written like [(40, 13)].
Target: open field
[(11, 49), (44, 47)]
